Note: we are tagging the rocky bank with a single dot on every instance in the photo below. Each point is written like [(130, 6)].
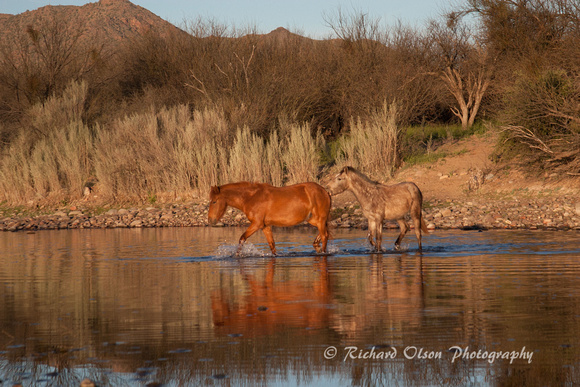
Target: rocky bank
[(535, 213), (502, 198)]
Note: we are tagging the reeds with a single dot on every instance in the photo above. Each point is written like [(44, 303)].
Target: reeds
[(301, 157), (173, 150), (54, 159), (372, 144)]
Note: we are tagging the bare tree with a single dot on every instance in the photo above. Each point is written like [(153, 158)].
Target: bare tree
[(39, 60), (354, 27), (462, 64)]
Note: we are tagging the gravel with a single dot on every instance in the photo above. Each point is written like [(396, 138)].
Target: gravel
[(557, 213)]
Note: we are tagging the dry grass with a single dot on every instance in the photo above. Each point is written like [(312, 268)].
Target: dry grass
[(54, 161), (169, 151), (143, 155), (372, 145), (301, 157), (273, 157)]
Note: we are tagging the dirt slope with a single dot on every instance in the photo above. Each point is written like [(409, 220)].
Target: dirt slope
[(448, 178)]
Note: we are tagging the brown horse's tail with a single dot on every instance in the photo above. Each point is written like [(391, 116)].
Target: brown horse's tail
[(328, 218)]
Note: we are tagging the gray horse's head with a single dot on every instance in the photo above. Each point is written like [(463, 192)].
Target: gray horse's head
[(340, 182)]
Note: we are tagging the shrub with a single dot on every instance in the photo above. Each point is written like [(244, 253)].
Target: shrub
[(542, 120)]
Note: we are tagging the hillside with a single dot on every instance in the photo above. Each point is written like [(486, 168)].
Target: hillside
[(105, 21), (448, 178), (507, 198)]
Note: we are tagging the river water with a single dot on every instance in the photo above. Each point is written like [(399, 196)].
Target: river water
[(172, 306)]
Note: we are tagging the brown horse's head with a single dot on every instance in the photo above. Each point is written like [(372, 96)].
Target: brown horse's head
[(340, 182), (217, 205)]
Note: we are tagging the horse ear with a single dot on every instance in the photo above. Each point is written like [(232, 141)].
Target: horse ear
[(345, 170), (214, 190)]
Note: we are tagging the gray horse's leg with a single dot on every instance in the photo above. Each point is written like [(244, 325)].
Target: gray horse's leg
[(417, 224), (375, 233), (403, 227), (379, 235), (370, 237), (372, 232)]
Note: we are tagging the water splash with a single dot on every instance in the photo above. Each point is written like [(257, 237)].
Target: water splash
[(333, 248), (403, 248), (248, 249)]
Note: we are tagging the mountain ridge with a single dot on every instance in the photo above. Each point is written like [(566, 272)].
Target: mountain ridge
[(102, 21)]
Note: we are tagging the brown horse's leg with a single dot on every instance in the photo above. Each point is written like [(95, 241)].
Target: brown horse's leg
[(325, 235), (248, 233), (316, 242), (322, 237), (404, 227), (270, 238), (322, 234)]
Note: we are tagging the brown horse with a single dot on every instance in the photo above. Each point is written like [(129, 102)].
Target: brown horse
[(266, 206), (379, 202)]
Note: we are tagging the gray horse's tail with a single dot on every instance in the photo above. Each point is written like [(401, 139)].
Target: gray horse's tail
[(424, 225), (420, 210)]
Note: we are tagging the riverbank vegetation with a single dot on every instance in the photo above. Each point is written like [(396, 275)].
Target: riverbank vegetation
[(173, 114)]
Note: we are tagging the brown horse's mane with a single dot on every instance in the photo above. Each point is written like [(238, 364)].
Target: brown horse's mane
[(360, 175), (239, 185)]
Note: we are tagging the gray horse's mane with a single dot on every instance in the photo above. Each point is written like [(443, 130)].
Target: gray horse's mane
[(360, 175)]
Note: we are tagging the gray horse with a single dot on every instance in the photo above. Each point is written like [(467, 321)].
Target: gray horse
[(379, 202)]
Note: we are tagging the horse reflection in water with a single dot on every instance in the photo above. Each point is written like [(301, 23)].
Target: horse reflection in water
[(379, 202), (393, 294), (266, 206), (270, 304)]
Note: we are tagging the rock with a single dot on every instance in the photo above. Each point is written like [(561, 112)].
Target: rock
[(87, 383), (136, 223), (532, 213)]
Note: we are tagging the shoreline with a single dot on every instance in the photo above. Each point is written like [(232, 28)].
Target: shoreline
[(478, 213)]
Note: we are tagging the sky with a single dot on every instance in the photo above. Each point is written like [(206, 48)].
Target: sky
[(303, 16)]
